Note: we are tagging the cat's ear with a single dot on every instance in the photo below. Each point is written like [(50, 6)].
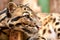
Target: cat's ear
[(11, 6)]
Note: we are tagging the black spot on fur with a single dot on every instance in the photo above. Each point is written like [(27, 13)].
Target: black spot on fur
[(18, 17), (3, 32), (57, 23), (18, 24), (24, 23), (11, 25), (37, 26), (55, 29), (3, 27), (58, 35), (49, 31), (54, 20), (26, 30), (43, 38), (8, 14), (7, 21), (15, 19), (29, 25), (2, 19), (44, 31), (45, 23), (58, 29)]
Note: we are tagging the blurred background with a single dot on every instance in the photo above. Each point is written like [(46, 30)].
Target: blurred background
[(45, 6)]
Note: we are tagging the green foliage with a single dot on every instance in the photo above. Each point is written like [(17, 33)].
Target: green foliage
[(44, 5)]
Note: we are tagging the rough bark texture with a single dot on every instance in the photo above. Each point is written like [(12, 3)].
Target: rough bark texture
[(15, 35), (55, 6)]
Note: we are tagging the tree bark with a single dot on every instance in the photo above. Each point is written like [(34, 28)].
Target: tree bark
[(15, 35), (55, 6)]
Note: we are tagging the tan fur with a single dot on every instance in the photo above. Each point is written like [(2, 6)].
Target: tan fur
[(25, 22), (49, 28)]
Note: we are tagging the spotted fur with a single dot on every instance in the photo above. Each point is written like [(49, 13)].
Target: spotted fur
[(22, 18), (50, 29)]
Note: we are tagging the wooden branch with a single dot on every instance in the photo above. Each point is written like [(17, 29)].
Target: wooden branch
[(15, 35)]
